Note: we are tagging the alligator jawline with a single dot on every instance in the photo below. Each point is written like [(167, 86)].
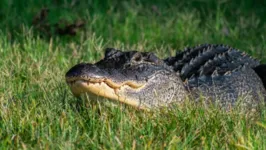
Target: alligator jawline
[(105, 88)]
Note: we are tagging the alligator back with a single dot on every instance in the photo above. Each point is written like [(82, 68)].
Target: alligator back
[(220, 73), (242, 86), (207, 58)]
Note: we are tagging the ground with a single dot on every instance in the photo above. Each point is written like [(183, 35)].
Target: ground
[(37, 109)]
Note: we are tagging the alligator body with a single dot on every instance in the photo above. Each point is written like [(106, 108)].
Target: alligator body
[(218, 73)]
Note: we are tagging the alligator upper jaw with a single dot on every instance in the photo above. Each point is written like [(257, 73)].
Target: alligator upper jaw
[(109, 82), (107, 89)]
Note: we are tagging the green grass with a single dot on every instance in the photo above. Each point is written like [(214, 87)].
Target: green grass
[(37, 110)]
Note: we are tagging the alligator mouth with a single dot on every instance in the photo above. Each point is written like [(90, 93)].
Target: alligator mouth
[(105, 88)]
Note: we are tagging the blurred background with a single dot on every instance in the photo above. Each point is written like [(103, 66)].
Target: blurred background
[(172, 23)]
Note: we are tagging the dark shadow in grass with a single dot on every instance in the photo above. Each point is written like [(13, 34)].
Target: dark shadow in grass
[(65, 17), (61, 28)]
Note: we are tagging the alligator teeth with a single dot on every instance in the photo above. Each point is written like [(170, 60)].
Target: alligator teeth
[(228, 73)]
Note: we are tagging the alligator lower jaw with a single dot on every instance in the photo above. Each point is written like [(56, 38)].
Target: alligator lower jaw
[(79, 87)]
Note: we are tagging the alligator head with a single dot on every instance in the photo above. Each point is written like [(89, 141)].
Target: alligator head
[(136, 78)]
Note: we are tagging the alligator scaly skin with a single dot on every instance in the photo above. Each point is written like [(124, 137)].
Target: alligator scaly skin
[(219, 73)]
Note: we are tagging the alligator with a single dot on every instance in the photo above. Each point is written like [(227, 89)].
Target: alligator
[(215, 74)]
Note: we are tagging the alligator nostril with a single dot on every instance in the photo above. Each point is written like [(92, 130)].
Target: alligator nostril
[(81, 69)]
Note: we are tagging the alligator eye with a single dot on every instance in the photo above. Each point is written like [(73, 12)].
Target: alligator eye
[(137, 57)]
